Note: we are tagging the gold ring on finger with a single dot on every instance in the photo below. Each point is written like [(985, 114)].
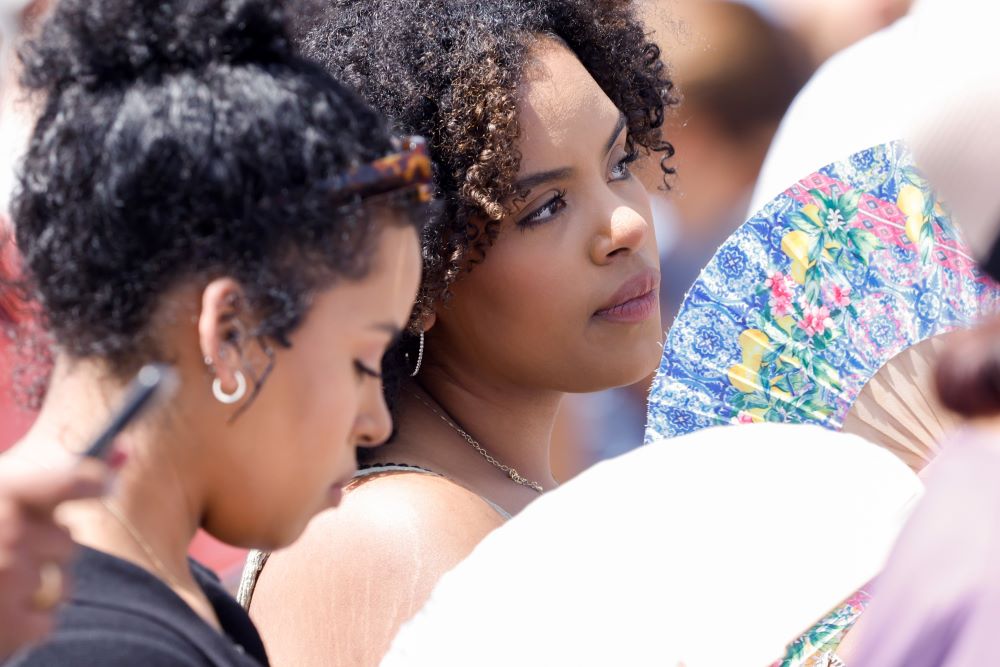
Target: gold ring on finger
[(50, 590)]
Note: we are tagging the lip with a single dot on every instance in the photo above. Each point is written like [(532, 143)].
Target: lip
[(634, 301)]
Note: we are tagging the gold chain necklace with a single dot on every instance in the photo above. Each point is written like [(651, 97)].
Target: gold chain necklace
[(511, 472), (143, 544), (131, 530)]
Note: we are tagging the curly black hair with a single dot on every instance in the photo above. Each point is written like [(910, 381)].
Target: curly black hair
[(449, 69), (179, 141)]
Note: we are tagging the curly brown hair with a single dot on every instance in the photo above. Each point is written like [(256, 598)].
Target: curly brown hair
[(449, 70)]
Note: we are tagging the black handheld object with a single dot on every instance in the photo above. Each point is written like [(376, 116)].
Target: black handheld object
[(152, 381)]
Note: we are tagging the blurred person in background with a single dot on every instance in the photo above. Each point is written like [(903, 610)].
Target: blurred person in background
[(938, 602), (23, 366), (825, 27), (737, 73), (35, 549), (870, 93)]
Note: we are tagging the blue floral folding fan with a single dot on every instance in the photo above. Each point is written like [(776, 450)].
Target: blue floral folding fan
[(806, 301), (852, 272)]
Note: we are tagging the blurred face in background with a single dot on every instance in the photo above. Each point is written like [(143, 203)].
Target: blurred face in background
[(827, 26)]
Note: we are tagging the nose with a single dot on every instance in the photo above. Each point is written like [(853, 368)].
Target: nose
[(374, 423), (622, 232)]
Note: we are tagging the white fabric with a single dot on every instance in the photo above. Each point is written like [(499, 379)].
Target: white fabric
[(857, 99), (876, 90), (956, 140), (714, 549)]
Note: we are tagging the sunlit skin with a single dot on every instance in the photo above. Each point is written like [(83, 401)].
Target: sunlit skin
[(524, 327), (254, 481)]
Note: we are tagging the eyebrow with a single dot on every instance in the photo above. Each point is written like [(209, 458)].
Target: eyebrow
[(619, 126), (534, 180)]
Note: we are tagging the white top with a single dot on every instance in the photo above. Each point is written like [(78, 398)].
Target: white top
[(713, 549), (879, 89), (859, 98)]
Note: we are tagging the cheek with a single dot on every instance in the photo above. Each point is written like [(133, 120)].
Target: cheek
[(312, 405), (529, 282), (326, 392)]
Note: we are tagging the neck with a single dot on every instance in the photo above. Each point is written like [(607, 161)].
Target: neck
[(512, 423), (151, 508)]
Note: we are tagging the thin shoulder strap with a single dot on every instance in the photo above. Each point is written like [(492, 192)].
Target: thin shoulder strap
[(251, 573), (406, 467), (366, 471)]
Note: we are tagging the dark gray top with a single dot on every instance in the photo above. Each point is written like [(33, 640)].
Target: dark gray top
[(122, 616)]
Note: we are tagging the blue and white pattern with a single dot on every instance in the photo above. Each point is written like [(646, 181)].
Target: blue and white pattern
[(808, 299)]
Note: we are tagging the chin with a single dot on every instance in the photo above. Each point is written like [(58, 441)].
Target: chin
[(625, 364), (615, 371), (251, 529)]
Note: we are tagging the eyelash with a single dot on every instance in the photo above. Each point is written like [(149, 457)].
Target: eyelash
[(554, 205), (624, 164), (558, 200), (364, 371)]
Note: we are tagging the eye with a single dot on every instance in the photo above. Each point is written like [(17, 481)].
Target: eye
[(621, 171), (364, 371), (545, 212)]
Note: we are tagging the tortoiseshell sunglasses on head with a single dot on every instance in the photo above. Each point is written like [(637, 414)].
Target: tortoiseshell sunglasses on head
[(407, 169)]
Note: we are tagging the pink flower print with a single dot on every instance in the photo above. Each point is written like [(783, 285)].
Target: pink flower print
[(815, 320), (781, 287), (837, 296), (744, 417), (781, 307)]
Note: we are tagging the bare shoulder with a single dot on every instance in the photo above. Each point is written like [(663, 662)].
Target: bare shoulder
[(339, 594)]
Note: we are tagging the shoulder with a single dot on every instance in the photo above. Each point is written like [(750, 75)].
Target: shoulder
[(393, 517), (360, 571)]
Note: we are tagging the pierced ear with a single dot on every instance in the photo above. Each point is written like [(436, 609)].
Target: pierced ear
[(221, 332), (428, 321)]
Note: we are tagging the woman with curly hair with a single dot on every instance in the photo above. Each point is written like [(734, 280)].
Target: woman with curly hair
[(197, 194), (540, 279)]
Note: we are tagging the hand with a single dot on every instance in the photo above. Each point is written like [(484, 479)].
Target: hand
[(35, 551)]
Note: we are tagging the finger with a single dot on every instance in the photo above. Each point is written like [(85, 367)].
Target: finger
[(35, 626), (42, 491), (48, 542), (20, 577)]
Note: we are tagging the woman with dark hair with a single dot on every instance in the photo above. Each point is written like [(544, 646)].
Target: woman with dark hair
[(196, 194), (540, 279)]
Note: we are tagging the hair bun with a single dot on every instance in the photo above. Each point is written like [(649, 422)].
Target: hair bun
[(103, 42)]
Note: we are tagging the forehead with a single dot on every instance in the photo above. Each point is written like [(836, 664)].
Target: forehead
[(559, 102), (390, 283)]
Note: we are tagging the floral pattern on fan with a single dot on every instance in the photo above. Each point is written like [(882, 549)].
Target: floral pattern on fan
[(808, 299), (814, 648)]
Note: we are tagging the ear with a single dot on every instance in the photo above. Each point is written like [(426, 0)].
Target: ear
[(221, 329), (428, 321)]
